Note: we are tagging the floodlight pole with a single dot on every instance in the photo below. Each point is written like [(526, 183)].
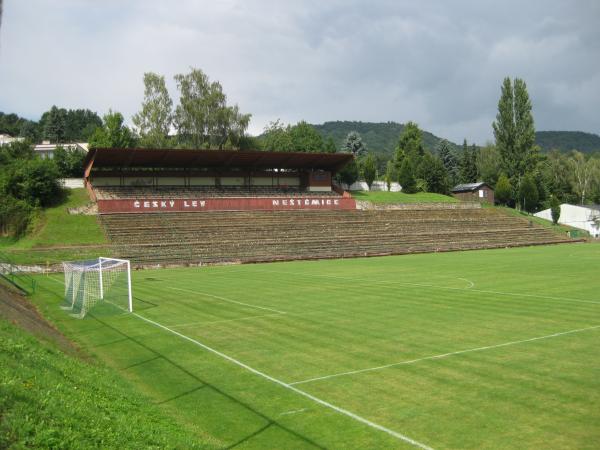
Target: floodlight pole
[(100, 272)]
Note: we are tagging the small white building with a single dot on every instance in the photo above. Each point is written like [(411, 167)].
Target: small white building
[(577, 216), (46, 149), (6, 139)]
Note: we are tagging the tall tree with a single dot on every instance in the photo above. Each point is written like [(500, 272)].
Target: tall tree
[(354, 144), (202, 118), (113, 133), (468, 164), (410, 142), (329, 146), (449, 160), (55, 125), (584, 171), (433, 173), (514, 129), (369, 169), (154, 120)]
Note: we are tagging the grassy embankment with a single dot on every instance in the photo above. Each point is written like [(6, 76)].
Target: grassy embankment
[(49, 399), (56, 235), (383, 197)]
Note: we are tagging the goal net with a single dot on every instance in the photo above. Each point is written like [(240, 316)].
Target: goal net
[(99, 282)]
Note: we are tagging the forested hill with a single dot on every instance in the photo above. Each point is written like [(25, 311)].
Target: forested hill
[(567, 140), (380, 138)]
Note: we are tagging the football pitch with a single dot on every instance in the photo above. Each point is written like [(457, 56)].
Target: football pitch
[(478, 349)]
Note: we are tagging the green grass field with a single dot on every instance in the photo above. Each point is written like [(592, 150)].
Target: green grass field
[(479, 349), (401, 197)]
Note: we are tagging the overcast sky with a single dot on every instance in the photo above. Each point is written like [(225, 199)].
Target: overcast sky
[(439, 63)]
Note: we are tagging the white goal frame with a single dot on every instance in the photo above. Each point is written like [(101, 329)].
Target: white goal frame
[(93, 289)]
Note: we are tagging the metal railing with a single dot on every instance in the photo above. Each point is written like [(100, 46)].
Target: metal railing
[(13, 273)]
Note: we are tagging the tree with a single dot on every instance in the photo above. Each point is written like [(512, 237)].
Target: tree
[(369, 169), (555, 209), (113, 133), (406, 177), (488, 164), (276, 137), (154, 120), (514, 130), (410, 142), (503, 191), (329, 145), (390, 174), (468, 164), (354, 144), (349, 174), (433, 172), (449, 160), (69, 162), (202, 118), (583, 170), (55, 125), (528, 193), (305, 138)]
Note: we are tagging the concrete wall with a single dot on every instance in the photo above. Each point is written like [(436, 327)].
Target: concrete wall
[(376, 186), (575, 216)]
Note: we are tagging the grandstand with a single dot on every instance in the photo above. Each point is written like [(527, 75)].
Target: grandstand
[(185, 206)]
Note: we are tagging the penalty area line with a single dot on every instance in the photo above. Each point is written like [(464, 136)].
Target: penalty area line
[(228, 300), (321, 402), (443, 355)]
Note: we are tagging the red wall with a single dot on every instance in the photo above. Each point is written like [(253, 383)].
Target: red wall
[(149, 205)]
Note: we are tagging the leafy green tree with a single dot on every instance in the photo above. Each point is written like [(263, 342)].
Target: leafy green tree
[(390, 174), (503, 191), (305, 138), (69, 162), (450, 161), (349, 174), (276, 137), (113, 133), (369, 169), (555, 209), (154, 120), (514, 129), (354, 144), (329, 145), (202, 118), (406, 177), (81, 124), (55, 125), (488, 164), (433, 172), (468, 164), (410, 142), (583, 172), (528, 193)]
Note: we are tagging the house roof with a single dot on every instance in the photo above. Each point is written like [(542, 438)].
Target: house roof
[(469, 187), (178, 158)]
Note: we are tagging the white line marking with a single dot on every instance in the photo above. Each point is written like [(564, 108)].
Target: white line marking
[(471, 284), (403, 283), (228, 300), (296, 411), (443, 355), (209, 322), (290, 387)]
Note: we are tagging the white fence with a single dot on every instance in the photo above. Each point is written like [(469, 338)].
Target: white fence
[(72, 183)]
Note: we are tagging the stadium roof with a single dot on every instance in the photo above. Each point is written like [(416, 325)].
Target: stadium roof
[(178, 158)]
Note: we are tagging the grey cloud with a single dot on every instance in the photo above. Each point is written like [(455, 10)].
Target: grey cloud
[(438, 63)]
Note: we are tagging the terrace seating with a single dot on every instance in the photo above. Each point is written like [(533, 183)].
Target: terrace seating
[(171, 192), (252, 236)]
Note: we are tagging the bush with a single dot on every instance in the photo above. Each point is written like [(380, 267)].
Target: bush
[(503, 190), (406, 177)]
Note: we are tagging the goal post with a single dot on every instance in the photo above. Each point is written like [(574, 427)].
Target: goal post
[(102, 282)]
